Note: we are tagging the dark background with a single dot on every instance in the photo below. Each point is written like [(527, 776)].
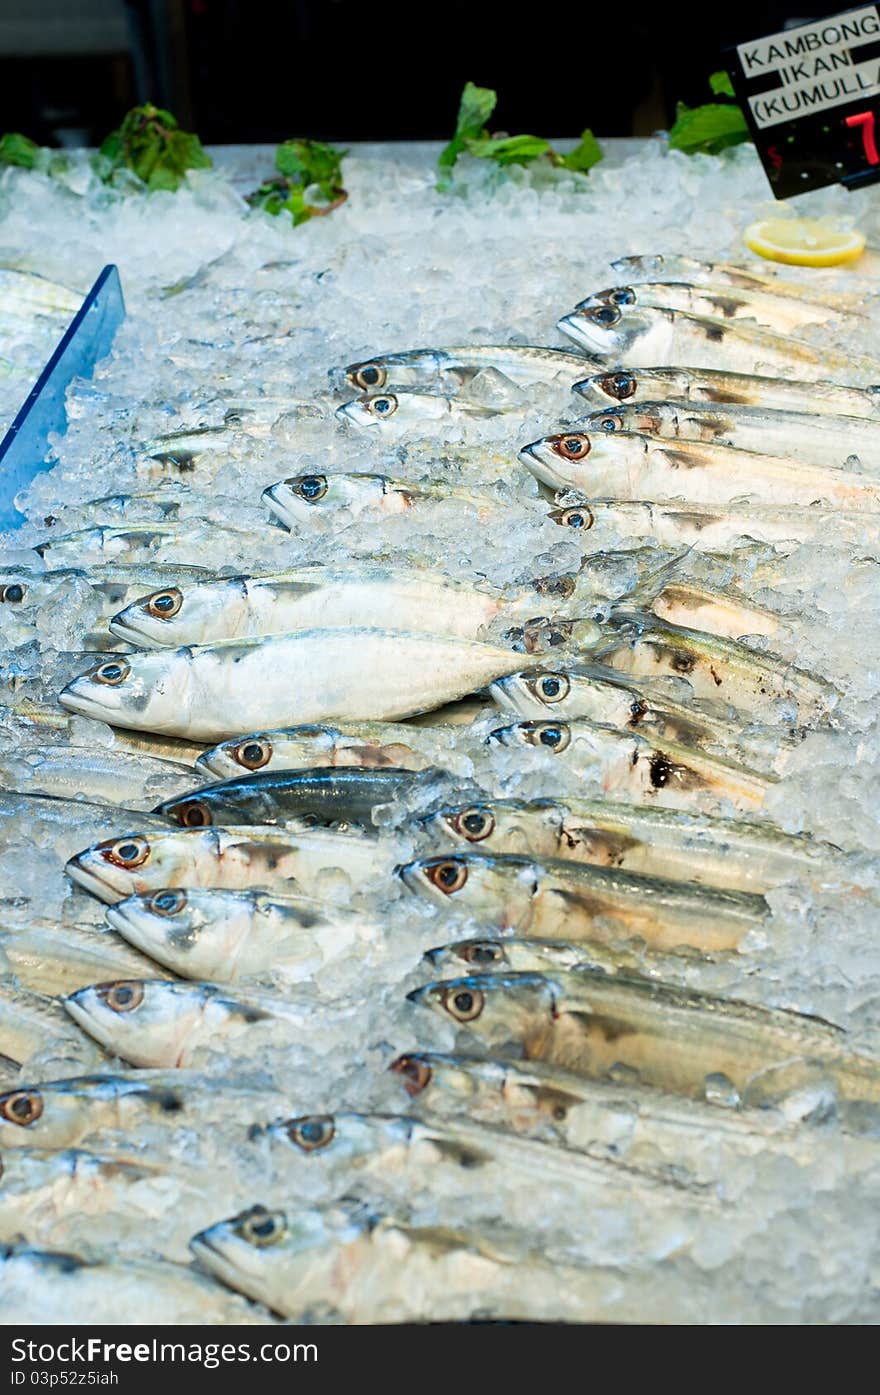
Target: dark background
[(250, 70)]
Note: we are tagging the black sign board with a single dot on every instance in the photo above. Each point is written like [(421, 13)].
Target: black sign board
[(811, 96)]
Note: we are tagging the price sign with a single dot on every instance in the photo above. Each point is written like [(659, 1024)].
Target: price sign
[(811, 96)]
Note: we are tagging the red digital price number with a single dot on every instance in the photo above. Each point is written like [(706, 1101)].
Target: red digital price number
[(865, 119)]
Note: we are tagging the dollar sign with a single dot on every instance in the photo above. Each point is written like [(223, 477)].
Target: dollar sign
[(775, 157)]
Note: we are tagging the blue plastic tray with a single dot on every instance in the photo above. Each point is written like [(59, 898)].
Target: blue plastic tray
[(88, 338)]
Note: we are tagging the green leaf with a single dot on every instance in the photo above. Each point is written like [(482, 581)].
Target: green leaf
[(585, 155), (508, 150), (150, 143), (302, 165), (476, 106), (16, 149), (721, 85), (708, 129)]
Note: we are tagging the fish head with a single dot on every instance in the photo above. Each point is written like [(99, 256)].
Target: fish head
[(605, 329), (178, 615), (143, 862), (497, 890), (468, 956), (646, 417), (617, 385), (538, 692), (172, 923), (378, 408), (314, 499), (576, 458), (144, 691), (554, 737), (576, 513), (498, 825), (403, 369), (266, 1253), (502, 1008), (145, 1021), (441, 1074), (243, 755), (613, 295), (344, 1136)]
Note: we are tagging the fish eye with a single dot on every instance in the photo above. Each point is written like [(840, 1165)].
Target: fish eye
[(309, 487), (448, 876), (193, 814), (623, 295), (483, 952), (573, 447), (261, 1227), (121, 997), (464, 1004), (609, 422), (383, 406), (474, 824), (112, 673), (578, 517), (606, 315), (164, 604), (370, 375), (554, 735), (551, 687), (168, 902), (311, 1132), (21, 1107), (619, 385), (417, 1075), (253, 755), (14, 593), (128, 852)]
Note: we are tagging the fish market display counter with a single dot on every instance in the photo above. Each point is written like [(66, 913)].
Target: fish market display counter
[(438, 749)]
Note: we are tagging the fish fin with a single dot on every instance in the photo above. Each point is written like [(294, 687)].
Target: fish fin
[(648, 587)]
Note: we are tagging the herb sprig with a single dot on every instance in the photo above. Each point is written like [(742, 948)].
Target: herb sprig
[(472, 138), (306, 168), (150, 144), (711, 128)]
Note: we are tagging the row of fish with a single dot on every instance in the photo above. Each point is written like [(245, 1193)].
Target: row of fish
[(345, 804)]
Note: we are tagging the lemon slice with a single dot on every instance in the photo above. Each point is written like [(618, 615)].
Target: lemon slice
[(804, 242)]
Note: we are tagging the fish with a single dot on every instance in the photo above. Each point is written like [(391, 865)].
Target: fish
[(406, 409), (630, 766), (232, 859), (756, 306), (726, 612), (210, 933), (717, 668), (713, 527), (210, 692), (28, 293), (809, 437), (371, 745), (457, 367), (632, 466), (639, 336), (66, 771), (52, 1286), (598, 693), (329, 797), (345, 1263), (327, 597), (115, 1107), (710, 385), (52, 960), (43, 1188), (167, 1023), (730, 854), (678, 1040), (680, 268), (135, 543), (559, 899), (35, 1035), (328, 500), (628, 1122), (515, 955)]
